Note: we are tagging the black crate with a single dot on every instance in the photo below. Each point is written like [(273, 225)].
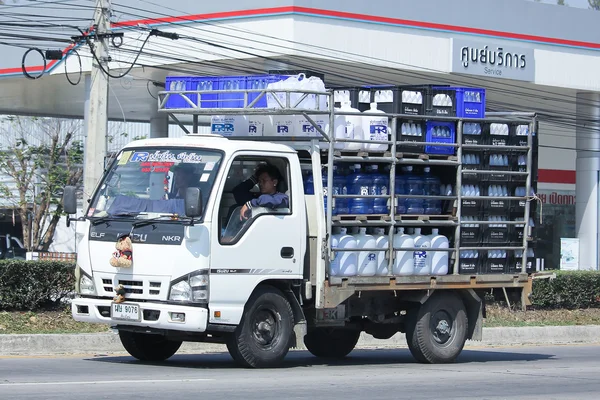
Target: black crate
[(493, 265), (472, 161), (472, 134), (470, 265), (517, 262), (407, 100), (470, 235), (496, 236), (441, 102), (515, 236), (519, 136), (408, 142), (498, 134), (471, 206), (357, 96)]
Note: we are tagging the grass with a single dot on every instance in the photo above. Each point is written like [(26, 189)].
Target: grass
[(502, 316), (29, 322)]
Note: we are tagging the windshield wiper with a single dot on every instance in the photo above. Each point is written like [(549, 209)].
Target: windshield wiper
[(108, 217), (149, 221)]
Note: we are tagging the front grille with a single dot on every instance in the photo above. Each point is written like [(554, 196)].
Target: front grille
[(138, 287)]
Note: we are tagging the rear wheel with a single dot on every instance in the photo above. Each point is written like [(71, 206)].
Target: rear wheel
[(263, 337), (437, 332), (146, 347), (331, 342)]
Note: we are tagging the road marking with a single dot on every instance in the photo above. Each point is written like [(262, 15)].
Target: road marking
[(104, 382)]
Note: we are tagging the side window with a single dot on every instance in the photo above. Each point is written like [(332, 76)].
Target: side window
[(255, 186)]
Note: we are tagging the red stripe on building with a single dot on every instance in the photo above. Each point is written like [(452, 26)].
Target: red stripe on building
[(556, 176)]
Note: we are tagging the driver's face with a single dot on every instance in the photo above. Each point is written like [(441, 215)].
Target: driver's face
[(182, 179), (266, 184)]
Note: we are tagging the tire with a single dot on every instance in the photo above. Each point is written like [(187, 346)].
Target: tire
[(146, 347), (263, 337), (331, 342), (438, 332)]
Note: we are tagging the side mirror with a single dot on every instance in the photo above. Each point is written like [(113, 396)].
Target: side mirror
[(70, 200), (193, 202)]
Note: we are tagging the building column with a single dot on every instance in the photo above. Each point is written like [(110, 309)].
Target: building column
[(159, 125), (588, 170)]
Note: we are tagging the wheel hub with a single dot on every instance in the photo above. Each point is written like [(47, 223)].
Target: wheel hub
[(441, 327), (265, 328)]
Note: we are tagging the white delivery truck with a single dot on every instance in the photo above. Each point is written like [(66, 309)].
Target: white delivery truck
[(196, 267)]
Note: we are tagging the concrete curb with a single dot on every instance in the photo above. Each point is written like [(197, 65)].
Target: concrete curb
[(108, 343)]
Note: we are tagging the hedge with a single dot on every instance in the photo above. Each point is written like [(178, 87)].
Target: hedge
[(569, 290), (35, 285), (45, 285)]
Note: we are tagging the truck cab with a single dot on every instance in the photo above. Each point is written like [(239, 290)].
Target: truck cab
[(193, 277)]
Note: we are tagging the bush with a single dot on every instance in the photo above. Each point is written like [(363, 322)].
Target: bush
[(570, 290), (35, 285)]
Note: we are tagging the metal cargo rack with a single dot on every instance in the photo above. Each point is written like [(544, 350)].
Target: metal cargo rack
[(339, 288)]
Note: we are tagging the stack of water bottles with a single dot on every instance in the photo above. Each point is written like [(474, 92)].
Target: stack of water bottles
[(373, 180), (372, 260)]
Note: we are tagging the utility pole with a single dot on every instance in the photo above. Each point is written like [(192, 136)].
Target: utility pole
[(97, 104)]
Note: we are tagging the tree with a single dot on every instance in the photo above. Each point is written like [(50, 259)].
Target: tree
[(41, 156), (561, 3), (594, 4)]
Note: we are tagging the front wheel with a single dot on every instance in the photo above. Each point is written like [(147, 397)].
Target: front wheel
[(436, 333), (263, 337), (147, 347), (331, 343)]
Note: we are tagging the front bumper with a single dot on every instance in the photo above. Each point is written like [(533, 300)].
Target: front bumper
[(153, 315)]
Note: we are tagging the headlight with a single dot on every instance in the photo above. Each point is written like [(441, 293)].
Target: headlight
[(181, 291), (192, 287), (86, 285)]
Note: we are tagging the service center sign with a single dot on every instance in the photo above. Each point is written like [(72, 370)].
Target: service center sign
[(485, 59)]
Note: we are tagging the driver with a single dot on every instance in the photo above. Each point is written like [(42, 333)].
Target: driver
[(268, 177), (184, 178)]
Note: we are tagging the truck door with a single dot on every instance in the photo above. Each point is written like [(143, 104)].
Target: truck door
[(269, 244)]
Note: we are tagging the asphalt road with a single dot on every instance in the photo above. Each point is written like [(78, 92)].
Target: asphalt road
[(559, 372)]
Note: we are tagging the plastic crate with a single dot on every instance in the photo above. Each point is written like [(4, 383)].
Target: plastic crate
[(471, 234), (232, 100), (440, 132), (473, 134), (498, 161), (472, 161), (176, 83), (517, 261), (496, 236), (441, 101), (408, 100), (520, 133), (496, 265), (498, 134), (257, 82), (498, 205), (470, 265), (359, 97), (205, 83), (470, 102), (410, 136)]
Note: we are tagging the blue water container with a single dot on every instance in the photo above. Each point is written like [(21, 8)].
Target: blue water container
[(307, 179), (414, 186), (340, 187), (379, 187), (359, 183), (400, 188), (431, 188)]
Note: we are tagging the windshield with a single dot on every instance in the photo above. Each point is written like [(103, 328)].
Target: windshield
[(153, 182)]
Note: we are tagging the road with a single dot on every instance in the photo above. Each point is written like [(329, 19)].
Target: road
[(558, 372)]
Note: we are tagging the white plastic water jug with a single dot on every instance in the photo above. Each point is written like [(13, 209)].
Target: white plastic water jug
[(375, 128), (345, 263), (422, 257), (404, 263), (382, 242), (229, 125), (439, 259), (367, 260), (305, 128), (340, 131), (354, 126), (284, 125), (259, 125)]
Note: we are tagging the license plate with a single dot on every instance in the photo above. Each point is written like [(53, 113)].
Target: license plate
[(332, 314), (125, 312)]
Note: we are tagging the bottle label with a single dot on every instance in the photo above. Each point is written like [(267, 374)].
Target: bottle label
[(364, 190), (420, 259)]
